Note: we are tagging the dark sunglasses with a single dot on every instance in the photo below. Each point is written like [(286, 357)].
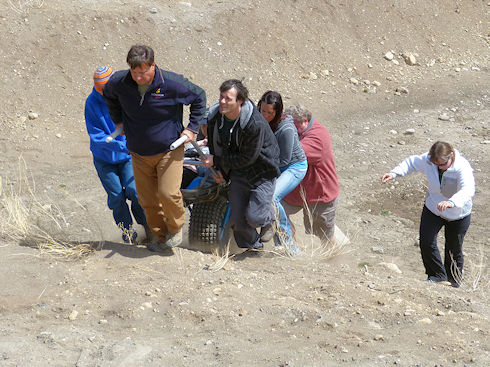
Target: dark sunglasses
[(445, 163)]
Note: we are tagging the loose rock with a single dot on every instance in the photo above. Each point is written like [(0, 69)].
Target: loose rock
[(410, 59), (389, 56), (444, 117), (312, 76), (33, 115), (425, 320), (73, 315), (354, 81), (391, 267), (402, 90)]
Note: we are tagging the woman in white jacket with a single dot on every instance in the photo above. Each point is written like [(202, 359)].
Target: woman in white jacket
[(448, 204)]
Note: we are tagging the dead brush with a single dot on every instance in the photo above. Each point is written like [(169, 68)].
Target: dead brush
[(474, 273), (41, 224), (287, 247), (314, 247), (129, 233), (221, 255)]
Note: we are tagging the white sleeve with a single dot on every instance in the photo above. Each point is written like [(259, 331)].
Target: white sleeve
[(414, 163), (466, 184)]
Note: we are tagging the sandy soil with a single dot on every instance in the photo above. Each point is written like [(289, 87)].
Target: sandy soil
[(124, 306)]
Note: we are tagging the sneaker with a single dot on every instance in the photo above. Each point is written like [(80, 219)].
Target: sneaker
[(267, 233), (454, 283), (292, 249), (174, 239), (249, 253), (127, 239), (437, 281)]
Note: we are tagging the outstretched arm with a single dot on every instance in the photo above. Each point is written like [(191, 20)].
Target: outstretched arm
[(386, 177)]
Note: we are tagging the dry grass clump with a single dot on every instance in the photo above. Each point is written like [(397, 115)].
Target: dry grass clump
[(221, 255), (41, 224), (311, 245), (474, 272), (221, 260)]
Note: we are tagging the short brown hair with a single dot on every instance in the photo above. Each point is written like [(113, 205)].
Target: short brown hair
[(140, 54), (440, 151), (242, 91)]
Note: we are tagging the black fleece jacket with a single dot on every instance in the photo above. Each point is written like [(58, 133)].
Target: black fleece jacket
[(253, 149)]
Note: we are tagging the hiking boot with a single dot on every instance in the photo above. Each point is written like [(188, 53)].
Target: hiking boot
[(158, 247), (150, 236), (267, 233), (174, 239)]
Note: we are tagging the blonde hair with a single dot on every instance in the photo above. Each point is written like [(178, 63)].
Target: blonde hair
[(298, 112)]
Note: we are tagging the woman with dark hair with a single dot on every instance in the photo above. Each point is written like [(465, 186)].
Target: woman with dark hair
[(448, 204), (292, 161)]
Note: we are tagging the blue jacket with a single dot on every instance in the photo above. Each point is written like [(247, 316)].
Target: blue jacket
[(154, 121), (99, 127)]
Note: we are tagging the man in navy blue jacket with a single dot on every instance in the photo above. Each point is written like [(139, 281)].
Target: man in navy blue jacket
[(148, 103), (112, 160)]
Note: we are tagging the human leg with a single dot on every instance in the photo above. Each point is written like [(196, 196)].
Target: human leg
[(127, 179), (286, 183), (145, 175), (260, 211), (322, 222), (290, 209), (169, 171), (454, 232), (430, 225), (116, 200), (239, 197)]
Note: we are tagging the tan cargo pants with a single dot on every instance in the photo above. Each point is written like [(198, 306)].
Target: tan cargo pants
[(158, 178)]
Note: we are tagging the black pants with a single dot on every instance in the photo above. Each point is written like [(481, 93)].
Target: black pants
[(251, 207), (454, 232)]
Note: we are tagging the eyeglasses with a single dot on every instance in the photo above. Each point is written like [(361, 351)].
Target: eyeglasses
[(443, 164)]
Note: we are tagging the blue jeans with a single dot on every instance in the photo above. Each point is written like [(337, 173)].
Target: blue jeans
[(287, 182), (118, 181)]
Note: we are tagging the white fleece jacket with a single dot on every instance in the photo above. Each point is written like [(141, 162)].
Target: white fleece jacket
[(457, 184)]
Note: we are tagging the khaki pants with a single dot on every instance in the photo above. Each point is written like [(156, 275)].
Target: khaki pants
[(158, 178)]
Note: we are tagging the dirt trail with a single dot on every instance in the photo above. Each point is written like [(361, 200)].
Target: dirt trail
[(125, 306)]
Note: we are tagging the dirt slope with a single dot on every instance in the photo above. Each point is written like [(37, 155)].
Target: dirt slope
[(124, 306)]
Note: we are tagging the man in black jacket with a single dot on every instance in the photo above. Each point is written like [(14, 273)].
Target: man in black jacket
[(244, 149)]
